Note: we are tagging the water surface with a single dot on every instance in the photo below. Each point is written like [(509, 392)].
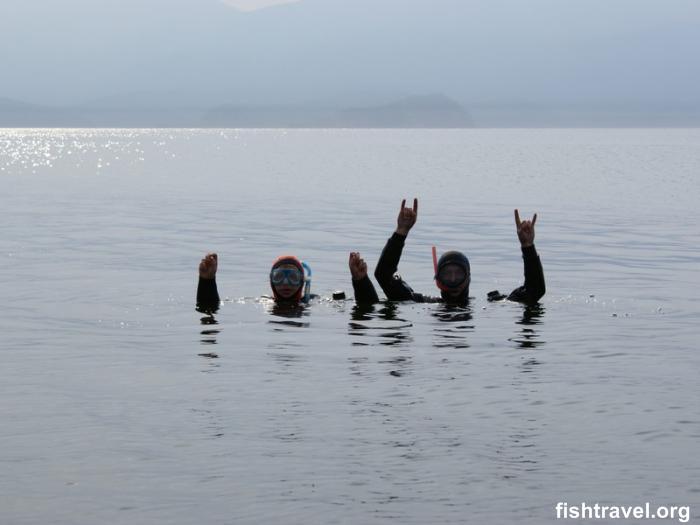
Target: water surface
[(121, 404)]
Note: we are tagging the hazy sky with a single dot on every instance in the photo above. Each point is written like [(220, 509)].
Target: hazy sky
[(254, 5), (641, 53)]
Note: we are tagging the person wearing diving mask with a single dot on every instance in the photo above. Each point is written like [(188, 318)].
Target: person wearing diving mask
[(452, 270), (289, 281), (452, 276)]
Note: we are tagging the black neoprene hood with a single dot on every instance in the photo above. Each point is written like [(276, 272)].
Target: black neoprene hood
[(453, 257), (458, 258)]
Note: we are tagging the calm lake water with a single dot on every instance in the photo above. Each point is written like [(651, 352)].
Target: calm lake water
[(120, 406)]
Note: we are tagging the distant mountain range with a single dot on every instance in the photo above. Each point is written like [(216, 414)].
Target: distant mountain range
[(427, 111)]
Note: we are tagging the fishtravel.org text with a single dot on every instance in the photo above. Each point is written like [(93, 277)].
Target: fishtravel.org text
[(585, 511)]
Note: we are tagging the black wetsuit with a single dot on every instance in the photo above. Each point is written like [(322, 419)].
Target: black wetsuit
[(364, 291), (207, 295), (396, 289)]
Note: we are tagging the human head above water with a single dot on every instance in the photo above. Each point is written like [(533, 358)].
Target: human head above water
[(453, 275), (287, 279)]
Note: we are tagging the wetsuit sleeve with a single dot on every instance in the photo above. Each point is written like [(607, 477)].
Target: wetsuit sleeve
[(534, 288), (207, 295), (364, 291), (393, 285), (420, 298)]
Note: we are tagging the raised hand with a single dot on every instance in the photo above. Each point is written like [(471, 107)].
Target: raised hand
[(407, 217), (526, 230), (208, 266), (358, 266)]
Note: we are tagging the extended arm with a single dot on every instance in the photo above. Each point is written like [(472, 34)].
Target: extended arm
[(362, 285), (533, 288), (207, 293), (394, 287)]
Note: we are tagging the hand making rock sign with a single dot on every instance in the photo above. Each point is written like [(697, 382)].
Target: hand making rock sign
[(407, 217), (525, 229)]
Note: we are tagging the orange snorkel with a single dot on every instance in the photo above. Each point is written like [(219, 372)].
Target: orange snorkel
[(435, 261), (435, 267)]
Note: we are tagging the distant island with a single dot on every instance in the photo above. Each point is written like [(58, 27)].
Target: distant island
[(423, 111), (162, 110), (428, 111)]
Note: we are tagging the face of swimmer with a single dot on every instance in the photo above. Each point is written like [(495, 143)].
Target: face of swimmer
[(454, 278), (286, 279)]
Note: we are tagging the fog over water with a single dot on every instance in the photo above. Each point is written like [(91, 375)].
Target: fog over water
[(122, 404)]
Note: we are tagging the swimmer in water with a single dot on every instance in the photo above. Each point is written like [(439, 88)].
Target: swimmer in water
[(452, 271), (288, 280)]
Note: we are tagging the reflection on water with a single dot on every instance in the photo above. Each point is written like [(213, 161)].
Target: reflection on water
[(209, 335), (380, 325), (283, 319), (453, 334), (372, 321), (209, 319), (358, 365), (285, 360), (528, 336), (288, 313), (401, 364)]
